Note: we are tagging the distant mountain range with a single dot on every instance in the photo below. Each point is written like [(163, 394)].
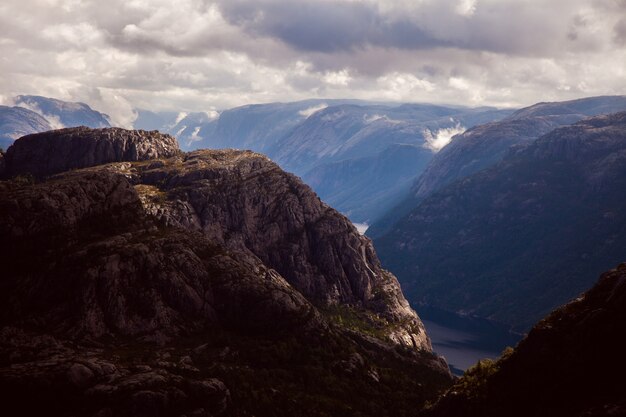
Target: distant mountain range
[(334, 145), (16, 122), (63, 113), (485, 145), (34, 114), (515, 240)]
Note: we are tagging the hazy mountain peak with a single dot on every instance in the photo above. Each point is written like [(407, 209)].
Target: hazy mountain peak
[(62, 113)]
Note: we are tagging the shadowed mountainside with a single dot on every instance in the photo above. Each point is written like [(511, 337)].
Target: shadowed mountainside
[(209, 283), (485, 145), (570, 364), (512, 242)]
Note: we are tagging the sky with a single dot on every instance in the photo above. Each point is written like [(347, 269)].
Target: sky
[(202, 55)]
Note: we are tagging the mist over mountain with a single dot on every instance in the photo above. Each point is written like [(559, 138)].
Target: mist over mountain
[(511, 242)]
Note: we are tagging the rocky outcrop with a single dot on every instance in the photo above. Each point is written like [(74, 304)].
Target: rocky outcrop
[(177, 286), (181, 280), (568, 365), (49, 153), (49, 376), (538, 226), (245, 202)]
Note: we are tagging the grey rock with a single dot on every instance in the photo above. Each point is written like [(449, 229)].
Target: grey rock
[(80, 375), (245, 202), (48, 153)]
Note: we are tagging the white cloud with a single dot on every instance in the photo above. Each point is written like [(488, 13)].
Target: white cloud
[(306, 113), (197, 55), (341, 78), (466, 7), (438, 139)]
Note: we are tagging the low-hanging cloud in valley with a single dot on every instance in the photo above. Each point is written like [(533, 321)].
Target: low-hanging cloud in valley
[(309, 111), (438, 139), (201, 55)]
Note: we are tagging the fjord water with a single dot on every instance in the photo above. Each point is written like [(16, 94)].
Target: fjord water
[(463, 340)]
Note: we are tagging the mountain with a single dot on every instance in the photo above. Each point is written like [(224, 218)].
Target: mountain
[(367, 187), (202, 283), (16, 122), (150, 120), (316, 139), (568, 365), (259, 127), (63, 113), (513, 241), (182, 125), (49, 153), (485, 145), (349, 131), (34, 114), (363, 159)]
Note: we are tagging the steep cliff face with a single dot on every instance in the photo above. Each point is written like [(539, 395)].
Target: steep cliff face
[(96, 219), (209, 283), (535, 227), (48, 153), (245, 202), (570, 364)]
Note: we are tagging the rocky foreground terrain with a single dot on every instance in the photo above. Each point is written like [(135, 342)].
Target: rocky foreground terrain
[(140, 280)]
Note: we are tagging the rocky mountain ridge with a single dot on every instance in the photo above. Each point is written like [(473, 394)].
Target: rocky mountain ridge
[(209, 283), (48, 153)]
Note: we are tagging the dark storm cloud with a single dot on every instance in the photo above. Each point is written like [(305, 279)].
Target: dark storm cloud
[(328, 26), (620, 32)]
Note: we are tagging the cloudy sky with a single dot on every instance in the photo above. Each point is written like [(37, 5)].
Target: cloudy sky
[(199, 55)]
